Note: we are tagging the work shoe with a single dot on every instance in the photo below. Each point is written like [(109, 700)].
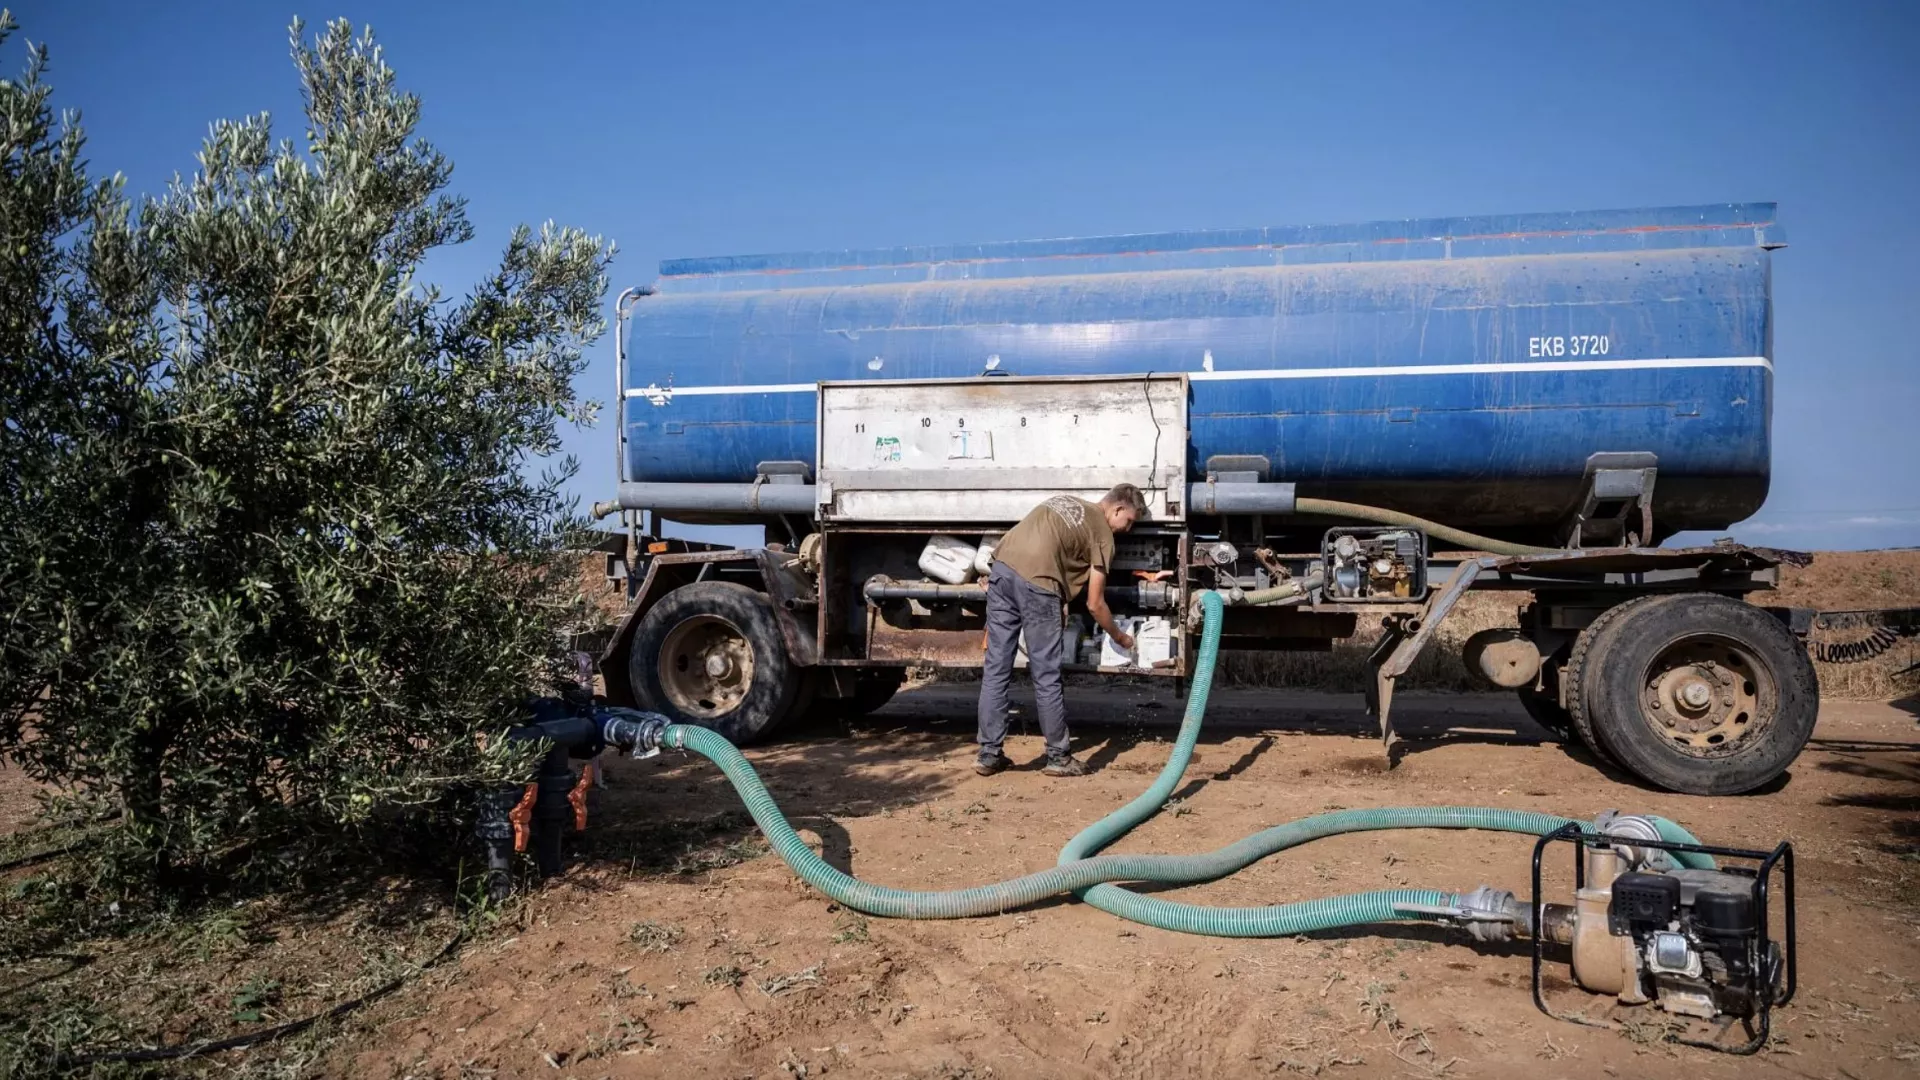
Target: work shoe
[(988, 764), (1064, 765)]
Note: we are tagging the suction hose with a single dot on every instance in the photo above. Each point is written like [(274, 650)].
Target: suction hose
[(1359, 512), (1084, 872)]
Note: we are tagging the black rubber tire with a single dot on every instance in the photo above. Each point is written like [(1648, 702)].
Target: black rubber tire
[(1615, 666), (1547, 711), (1578, 662), (806, 699), (874, 689), (775, 683)]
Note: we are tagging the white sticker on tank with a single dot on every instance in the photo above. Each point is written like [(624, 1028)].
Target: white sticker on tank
[(886, 450), (970, 446)]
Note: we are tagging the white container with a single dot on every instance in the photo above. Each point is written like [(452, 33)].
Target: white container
[(1152, 642), (1112, 655), (983, 558), (949, 559), (1075, 646)]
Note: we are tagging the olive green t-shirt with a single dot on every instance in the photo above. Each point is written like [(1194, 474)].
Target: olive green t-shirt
[(1057, 543)]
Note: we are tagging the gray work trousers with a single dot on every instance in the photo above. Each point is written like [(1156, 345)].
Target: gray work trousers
[(1015, 604)]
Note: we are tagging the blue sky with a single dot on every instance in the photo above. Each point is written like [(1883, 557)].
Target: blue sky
[(698, 129)]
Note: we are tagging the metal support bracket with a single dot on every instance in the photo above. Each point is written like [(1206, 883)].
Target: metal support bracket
[(1616, 501), (1401, 641), (1380, 687)]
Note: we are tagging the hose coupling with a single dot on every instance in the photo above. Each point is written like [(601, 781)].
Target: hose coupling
[(1489, 914), (640, 733), (1629, 827)]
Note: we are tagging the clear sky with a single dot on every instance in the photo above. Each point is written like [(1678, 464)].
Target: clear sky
[(727, 128)]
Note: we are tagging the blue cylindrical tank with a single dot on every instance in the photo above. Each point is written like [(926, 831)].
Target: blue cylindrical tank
[(1463, 369)]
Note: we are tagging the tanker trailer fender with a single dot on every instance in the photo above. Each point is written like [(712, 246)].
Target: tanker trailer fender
[(775, 574)]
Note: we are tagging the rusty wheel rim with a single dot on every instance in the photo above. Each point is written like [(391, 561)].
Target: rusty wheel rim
[(1705, 695), (706, 667)]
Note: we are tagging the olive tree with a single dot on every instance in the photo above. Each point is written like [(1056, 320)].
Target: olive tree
[(311, 560)]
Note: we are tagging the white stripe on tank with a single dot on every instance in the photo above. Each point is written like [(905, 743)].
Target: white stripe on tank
[(666, 393)]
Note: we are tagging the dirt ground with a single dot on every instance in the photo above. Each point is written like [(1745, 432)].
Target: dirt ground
[(726, 966)]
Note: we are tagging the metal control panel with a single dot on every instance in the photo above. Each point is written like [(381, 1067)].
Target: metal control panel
[(989, 449)]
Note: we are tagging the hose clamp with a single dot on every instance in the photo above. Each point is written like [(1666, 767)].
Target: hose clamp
[(1489, 914), (639, 733)]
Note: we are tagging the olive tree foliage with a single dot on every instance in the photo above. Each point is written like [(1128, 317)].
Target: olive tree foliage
[(75, 341), (276, 560)]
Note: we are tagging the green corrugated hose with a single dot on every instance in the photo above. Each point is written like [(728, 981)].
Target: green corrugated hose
[(1090, 875)]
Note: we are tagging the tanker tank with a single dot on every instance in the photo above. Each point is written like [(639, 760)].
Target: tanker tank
[(1461, 369)]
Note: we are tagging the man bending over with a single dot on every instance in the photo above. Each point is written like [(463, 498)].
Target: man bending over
[(1064, 545)]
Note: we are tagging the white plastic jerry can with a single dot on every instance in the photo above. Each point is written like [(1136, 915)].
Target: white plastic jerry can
[(948, 559), (983, 557), (1112, 655), (1153, 640)]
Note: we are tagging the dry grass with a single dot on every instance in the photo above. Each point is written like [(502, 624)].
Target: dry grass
[(1874, 680), (1345, 668), (81, 979), (1851, 580)]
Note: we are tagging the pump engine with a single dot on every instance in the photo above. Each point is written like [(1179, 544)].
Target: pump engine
[(1374, 564)]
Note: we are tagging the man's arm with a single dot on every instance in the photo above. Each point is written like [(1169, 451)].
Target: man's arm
[(1097, 607)]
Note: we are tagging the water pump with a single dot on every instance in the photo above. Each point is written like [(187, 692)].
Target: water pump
[(1656, 922)]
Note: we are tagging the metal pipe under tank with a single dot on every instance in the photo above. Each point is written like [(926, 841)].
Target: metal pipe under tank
[(1153, 595), (787, 498), (774, 498)]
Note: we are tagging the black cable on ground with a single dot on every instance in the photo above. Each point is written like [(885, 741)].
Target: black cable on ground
[(30, 858), (255, 1038), (82, 833)]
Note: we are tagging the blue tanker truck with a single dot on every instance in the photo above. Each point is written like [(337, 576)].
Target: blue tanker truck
[(1329, 423)]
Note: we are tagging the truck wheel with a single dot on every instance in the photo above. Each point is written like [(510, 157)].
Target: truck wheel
[(874, 689), (1695, 692), (1547, 711), (1578, 662), (805, 698), (711, 654)]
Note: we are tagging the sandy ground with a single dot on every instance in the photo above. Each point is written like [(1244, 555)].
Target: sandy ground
[(18, 803), (743, 971)]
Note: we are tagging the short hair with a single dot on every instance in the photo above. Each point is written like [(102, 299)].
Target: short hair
[(1129, 496)]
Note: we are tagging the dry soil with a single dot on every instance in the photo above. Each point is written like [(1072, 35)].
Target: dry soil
[(727, 966)]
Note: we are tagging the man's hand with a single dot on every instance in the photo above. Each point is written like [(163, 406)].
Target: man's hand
[(1097, 607)]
